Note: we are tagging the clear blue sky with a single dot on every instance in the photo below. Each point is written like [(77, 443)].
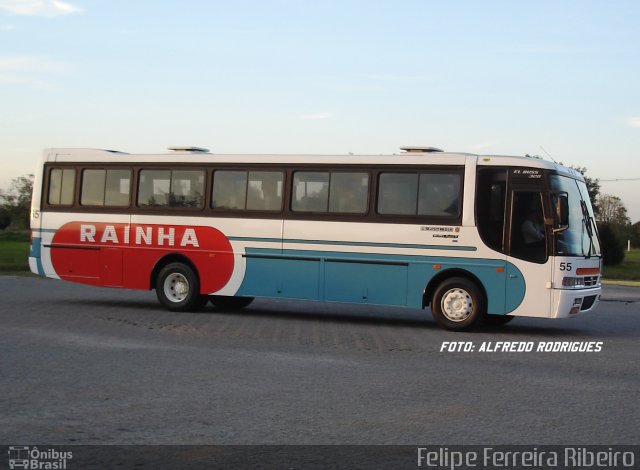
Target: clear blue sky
[(263, 76)]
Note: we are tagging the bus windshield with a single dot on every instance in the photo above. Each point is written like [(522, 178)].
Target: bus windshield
[(581, 237)]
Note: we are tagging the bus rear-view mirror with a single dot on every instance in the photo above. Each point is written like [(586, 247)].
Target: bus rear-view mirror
[(561, 211)]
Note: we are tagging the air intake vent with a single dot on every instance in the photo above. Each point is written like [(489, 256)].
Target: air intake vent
[(189, 149), (421, 149)]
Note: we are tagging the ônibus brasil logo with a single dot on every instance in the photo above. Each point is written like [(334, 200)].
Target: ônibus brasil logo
[(33, 458)]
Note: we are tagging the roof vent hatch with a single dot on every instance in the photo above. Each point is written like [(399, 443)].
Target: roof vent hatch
[(183, 149), (420, 149)]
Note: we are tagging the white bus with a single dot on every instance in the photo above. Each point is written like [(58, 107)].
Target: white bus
[(475, 238)]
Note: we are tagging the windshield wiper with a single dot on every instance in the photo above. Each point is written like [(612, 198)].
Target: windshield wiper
[(588, 224)]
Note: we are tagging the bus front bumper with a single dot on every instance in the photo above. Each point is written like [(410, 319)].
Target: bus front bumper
[(570, 302)]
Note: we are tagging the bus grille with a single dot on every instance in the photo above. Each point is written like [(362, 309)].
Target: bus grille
[(587, 302), (590, 281)]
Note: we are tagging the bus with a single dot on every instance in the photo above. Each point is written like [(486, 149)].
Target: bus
[(474, 238)]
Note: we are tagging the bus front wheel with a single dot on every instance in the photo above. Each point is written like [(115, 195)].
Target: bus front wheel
[(178, 288), (457, 304)]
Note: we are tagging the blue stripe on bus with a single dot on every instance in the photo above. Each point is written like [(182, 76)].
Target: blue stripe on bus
[(353, 243), (369, 278), (35, 252)]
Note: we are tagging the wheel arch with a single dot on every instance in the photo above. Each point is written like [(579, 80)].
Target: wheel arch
[(170, 258), (436, 280)]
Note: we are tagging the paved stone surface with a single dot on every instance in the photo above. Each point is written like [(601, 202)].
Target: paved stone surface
[(83, 365)]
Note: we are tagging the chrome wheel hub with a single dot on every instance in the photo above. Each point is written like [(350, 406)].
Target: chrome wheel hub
[(176, 287), (457, 304)]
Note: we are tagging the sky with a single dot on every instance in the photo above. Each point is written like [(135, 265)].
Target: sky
[(547, 78)]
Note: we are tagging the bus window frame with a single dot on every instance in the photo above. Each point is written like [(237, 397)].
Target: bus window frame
[(170, 209), (46, 184), (285, 213), (254, 213), (421, 218), (110, 208), (328, 169), (535, 186)]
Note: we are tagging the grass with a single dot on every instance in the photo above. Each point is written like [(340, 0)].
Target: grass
[(14, 252), (628, 270)]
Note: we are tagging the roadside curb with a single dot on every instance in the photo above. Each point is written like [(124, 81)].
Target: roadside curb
[(615, 282)]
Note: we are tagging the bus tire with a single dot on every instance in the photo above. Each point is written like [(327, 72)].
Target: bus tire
[(457, 304), (178, 288), (230, 302), (497, 320)]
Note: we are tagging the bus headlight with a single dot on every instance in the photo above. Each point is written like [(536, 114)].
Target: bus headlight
[(573, 282)]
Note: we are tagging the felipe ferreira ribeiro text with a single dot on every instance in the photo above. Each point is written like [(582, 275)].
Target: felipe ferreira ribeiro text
[(489, 457), (522, 346)]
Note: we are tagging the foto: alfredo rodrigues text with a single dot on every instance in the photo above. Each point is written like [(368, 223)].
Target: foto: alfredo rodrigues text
[(522, 346)]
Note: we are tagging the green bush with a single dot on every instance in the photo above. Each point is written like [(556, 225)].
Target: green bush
[(5, 218), (612, 246)]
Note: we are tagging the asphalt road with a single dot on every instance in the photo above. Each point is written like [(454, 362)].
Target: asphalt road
[(82, 365)]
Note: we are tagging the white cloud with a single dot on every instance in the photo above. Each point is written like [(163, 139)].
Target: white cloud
[(29, 71), (38, 7), (9, 79), (316, 116), (25, 118), (24, 64), (633, 122), (14, 63)]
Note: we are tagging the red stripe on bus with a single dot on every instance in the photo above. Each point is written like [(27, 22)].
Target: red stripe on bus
[(125, 256)]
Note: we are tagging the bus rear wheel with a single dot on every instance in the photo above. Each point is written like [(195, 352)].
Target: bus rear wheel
[(457, 304), (229, 302), (178, 288)]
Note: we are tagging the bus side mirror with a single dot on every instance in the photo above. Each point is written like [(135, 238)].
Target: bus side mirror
[(560, 211)]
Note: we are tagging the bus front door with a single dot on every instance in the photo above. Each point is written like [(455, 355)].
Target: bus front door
[(528, 263)]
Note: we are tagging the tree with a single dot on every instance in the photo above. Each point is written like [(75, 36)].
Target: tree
[(612, 247), (635, 234), (5, 218), (17, 201), (612, 211)]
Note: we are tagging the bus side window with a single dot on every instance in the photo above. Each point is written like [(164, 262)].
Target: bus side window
[(439, 194), (92, 193), (61, 186), (247, 190), (330, 192), (348, 193), (154, 187), (229, 190), (264, 191), (528, 233), (397, 193), (310, 191), (117, 188), (105, 188), (187, 188), (171, 188), (491, 196)]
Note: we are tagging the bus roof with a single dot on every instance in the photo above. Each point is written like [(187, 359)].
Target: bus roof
[(199, 155)]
